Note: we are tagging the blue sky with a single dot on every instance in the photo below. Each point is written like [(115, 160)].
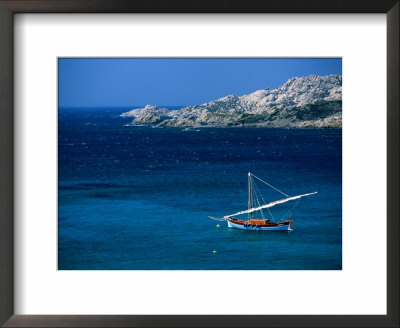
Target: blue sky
[(129, 82)]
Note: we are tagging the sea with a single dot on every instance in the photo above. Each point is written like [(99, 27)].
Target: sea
[(139, 197)]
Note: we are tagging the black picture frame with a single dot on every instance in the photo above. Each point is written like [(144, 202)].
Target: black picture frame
[(10, 7)]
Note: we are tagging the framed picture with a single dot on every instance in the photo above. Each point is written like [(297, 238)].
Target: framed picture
[(160, 167), (175, 159)]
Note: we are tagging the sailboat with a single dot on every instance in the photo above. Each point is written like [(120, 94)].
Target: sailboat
[(261, 222)]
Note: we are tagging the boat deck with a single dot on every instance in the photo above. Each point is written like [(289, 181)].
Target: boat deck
[(259, 222)]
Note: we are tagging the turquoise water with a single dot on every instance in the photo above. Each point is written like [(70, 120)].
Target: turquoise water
[(133, 198)]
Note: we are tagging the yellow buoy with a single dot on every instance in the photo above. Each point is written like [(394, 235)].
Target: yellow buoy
[(214, 252), (217, 225)]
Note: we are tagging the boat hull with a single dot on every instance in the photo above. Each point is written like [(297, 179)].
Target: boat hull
[(278, 227)]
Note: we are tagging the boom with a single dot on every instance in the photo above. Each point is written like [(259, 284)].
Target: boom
[(276, 202)]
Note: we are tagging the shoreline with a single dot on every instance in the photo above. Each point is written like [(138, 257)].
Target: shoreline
[(189, 128)]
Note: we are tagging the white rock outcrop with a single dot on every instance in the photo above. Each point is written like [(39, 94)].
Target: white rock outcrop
[(303, 102)]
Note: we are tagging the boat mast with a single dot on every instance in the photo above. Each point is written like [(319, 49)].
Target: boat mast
[(250, 196)]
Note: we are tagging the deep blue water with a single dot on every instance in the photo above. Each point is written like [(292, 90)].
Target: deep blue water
[(138, 197)]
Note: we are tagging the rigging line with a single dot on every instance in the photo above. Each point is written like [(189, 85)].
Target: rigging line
[(258, 205), (254, 193), (270, 213), (262, 198), (248, 198), (270, 185), (273, 219), (249, 216), (259, 192), (291, 210), (258, 196)]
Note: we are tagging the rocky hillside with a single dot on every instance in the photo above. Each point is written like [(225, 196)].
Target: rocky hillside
[(302, 102)]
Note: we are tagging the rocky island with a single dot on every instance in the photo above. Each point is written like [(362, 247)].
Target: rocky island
[(302, 102)]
